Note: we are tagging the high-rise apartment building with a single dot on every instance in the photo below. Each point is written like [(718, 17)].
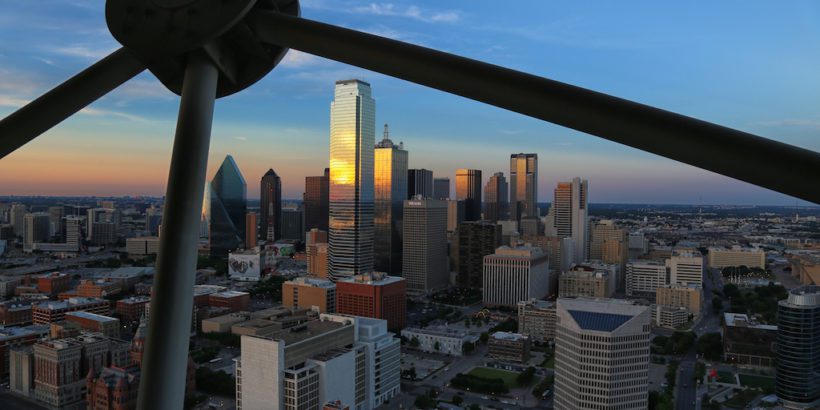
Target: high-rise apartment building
[(270, 206), (224, 209), (515, 274), (476, 240), (568, 216), (496, 204), (390, 190), (38, 228), (424, 264), (352, 138), (468, 189), (601, 354), (441, 188), (798, 348), (316, 201), (685, 268), (374, 295), (643, 277), (524, 186), (419, 183)]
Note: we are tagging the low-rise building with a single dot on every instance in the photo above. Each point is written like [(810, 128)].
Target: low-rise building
[(108, 326), (509, 347), (233, 300), (142, 246), (669, 316), (689, 297), (223, 324), (13, 313), (737, 256), (438, 339), (98, 288), (306, 292), (50, 312), (131, 309), (643, 277), (13, 337), (585, 281), (54, 283), (747, 342), (536, 318)]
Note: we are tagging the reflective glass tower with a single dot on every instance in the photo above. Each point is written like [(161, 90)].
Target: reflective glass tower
[(352, 138), (390, 179), (270, 206), (316, 201), (496, 206), (798, 349), (224, 209), (468, 189), (524, 185)]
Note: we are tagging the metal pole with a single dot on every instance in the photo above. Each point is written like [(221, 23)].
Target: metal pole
[(74, 94), (747, 157), (165, 362)]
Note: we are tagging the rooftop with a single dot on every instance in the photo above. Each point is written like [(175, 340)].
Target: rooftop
[(229, 294), (91, 316), (65, 304), (315, 282), (514, 337), (743, 320), (7, 333), (375, 278)]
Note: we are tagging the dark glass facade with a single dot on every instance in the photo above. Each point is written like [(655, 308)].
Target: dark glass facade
[(441, 188), (476, 240), (524, 185), (798, 348), (496, 205), (225, 206), (468, 189), (270, 206), (419, 182), (316, 201)]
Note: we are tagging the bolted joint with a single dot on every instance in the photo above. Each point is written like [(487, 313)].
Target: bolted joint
[(161, 33)]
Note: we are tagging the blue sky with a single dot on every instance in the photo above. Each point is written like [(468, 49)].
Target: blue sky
[(750, 65)]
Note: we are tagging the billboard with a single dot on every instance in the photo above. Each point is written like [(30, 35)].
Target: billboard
[(245, 266)]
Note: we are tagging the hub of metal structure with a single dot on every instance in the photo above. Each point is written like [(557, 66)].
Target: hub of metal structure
[(160, 33)]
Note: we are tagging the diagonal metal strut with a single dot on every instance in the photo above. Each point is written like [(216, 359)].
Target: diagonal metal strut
[(747, 157)]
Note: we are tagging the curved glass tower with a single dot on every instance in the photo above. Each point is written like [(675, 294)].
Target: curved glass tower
[(798, 349), (352, 141)]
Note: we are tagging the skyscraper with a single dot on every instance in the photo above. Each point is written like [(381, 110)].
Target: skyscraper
[(798, 348), (515, 274), (390, 183), (441, 188), (270, 206), (601, 354), (38, 228), (476, 240), (250, 230), (468, 189), (224, 209), (17, 217), (425, 245), (316, 201), (496, 206), (419, 183), (569, 216), (352, 137), (524, 185)]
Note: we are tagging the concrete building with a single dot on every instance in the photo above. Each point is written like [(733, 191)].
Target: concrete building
[(515, 274), (223, 324), (92, 322), (536, 318), (50, 312), (424, 262), (251, 234), (685, 268), (568, 216), (476, 239), (439, 339), (14, 337), (688, 297), (316, 250), (798, 349), (142, 246), (601, 355), (37, 228), (746, 342), (643, 277), (375, 295), (670, 317), (233, 300), (309, 292), (21, 374), (737, 256), (585, 281), (509, 347)]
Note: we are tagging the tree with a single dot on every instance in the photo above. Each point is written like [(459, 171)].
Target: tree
[(484, 337), (525, 378), (717, 304), (467, 323), (437, 345), (425, 402), (414, 342), (710, 346), (457, 400), (468, 347)]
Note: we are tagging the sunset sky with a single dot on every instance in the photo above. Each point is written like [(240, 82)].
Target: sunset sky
[(750, 65)]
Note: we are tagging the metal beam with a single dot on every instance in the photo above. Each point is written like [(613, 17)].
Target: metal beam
[(166, 350), (760, 161), (66, 99)]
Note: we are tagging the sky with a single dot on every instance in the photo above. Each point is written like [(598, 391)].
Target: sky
[(750, 65)]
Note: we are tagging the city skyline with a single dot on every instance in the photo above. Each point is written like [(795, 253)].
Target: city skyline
[(641, 62)]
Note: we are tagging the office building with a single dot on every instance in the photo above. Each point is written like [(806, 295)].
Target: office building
[(441, 188), (251, 233), (37, 228), (509, 347), (17, 217), (439, 339), (233, 300), (585, 281), (747, 342), (390, 190), (568, 216), (92, 322), (131, 309), (102, 225), (375, 295), (536, 318), (12, 337), (224, 209), (688, 297), (142, 246), (424, 265), (419, 183), (524, 186), (292, 227), (669, 317), (455, 214), (476, 239), (601, 354), (55, 220), (74, 232), (643, 277), (316, 250), (685, 268), (270, 206), (737, 256), (468, 189), (352, 138), (798, 348), (21, 370), (515, 274), (308, 293), (496, 202), (44, 313), (317, 201)]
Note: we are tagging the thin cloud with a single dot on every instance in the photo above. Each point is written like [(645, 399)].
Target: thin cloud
[(412, 12), (16, 102), (241, 138), (84, 51)]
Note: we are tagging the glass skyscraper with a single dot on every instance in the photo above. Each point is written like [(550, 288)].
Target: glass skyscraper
[(496, 206), (316, 201), (798, 348), (468, 189), (270, 206), (390, 179), (352, 138), (224, 209), (524, 185)]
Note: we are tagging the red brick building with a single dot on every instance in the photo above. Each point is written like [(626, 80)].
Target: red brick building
[(14, 337), (233, 300), (113, 388), (98, 288), (15, 313), (131, 309), (49, 312), (54, 283), (375, 295)]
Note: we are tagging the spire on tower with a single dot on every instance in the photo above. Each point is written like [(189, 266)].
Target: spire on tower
[(386, 133)]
